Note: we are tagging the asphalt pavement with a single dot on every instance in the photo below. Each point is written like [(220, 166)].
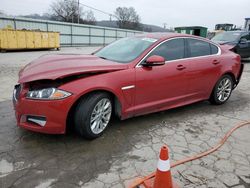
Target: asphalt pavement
[(129, 148)]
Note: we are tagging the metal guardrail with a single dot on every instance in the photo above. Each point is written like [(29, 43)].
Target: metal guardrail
[(70, 34)]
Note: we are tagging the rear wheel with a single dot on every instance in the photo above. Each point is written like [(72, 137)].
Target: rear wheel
[(222, 90), (93, 114)]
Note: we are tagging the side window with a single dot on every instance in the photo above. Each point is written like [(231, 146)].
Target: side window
[(198, 48), (170, 50), (246, 37), (214, 49)]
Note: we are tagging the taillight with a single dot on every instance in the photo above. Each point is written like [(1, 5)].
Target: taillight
[(238, 58)]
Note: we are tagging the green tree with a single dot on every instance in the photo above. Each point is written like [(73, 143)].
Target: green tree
[(67, 10), (127, 18)]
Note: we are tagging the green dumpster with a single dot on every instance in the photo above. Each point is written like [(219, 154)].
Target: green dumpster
[(192, 30)]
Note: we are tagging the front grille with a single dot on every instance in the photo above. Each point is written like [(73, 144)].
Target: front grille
[(17, 91)]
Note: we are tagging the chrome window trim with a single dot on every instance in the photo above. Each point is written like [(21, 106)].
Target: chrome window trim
[(218, 53)]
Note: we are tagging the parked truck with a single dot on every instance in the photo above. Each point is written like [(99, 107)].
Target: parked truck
[(220, 28)]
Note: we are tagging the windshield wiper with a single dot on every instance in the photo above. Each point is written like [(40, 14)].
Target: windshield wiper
[(102, 57)]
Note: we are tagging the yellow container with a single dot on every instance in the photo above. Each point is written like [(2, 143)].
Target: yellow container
[(21, 39), (27, 39), (30, 40), (37, 40)]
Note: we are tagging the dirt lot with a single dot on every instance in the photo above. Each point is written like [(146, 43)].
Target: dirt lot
[(128, 148)]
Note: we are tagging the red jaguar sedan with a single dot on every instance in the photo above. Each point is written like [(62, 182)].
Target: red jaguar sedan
[(130, 77)]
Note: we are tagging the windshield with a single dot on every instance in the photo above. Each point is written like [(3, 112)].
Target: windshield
[(226, 27), (227, 36), (126, 49)]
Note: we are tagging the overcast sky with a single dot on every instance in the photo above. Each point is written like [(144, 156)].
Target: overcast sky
[(173, 12)]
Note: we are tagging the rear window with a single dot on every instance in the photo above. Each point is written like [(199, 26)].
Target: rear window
[(198, 48), (201, 48), (214, 49)]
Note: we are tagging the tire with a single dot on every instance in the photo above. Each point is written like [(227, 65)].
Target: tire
[(222, 90), (92, 115)]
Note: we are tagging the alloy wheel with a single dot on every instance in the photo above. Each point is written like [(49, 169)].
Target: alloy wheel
[(224, 89), (100, 115)]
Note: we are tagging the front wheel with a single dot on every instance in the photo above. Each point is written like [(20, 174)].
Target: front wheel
[(222, 90), (93, 114)]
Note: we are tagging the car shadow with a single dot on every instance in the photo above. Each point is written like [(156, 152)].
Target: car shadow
[(81, 159)]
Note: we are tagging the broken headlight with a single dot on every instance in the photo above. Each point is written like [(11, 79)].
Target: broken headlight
[(48, 94)]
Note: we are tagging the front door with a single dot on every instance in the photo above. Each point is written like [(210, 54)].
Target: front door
[(158, 87)]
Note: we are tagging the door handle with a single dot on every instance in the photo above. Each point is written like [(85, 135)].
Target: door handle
[(216, 62), (180, 67)]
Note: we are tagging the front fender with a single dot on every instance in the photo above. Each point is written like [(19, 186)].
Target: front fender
[(112, 82)]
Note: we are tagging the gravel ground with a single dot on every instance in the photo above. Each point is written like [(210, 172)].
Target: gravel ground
[(129, 148)]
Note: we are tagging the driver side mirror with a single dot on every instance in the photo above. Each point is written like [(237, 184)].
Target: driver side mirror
[(154, 60), (243, 41)]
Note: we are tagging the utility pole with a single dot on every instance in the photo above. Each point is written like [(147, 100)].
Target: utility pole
[(78, 11), (165, 25)]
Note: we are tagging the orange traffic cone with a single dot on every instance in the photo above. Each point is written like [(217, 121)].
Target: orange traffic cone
[(163, 177)]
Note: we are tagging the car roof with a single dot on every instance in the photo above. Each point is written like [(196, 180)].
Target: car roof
[(163, 36)]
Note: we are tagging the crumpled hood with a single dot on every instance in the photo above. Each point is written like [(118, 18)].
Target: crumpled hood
[(52, 67)]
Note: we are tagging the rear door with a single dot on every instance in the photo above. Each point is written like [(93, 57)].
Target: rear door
[(204, 68)]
